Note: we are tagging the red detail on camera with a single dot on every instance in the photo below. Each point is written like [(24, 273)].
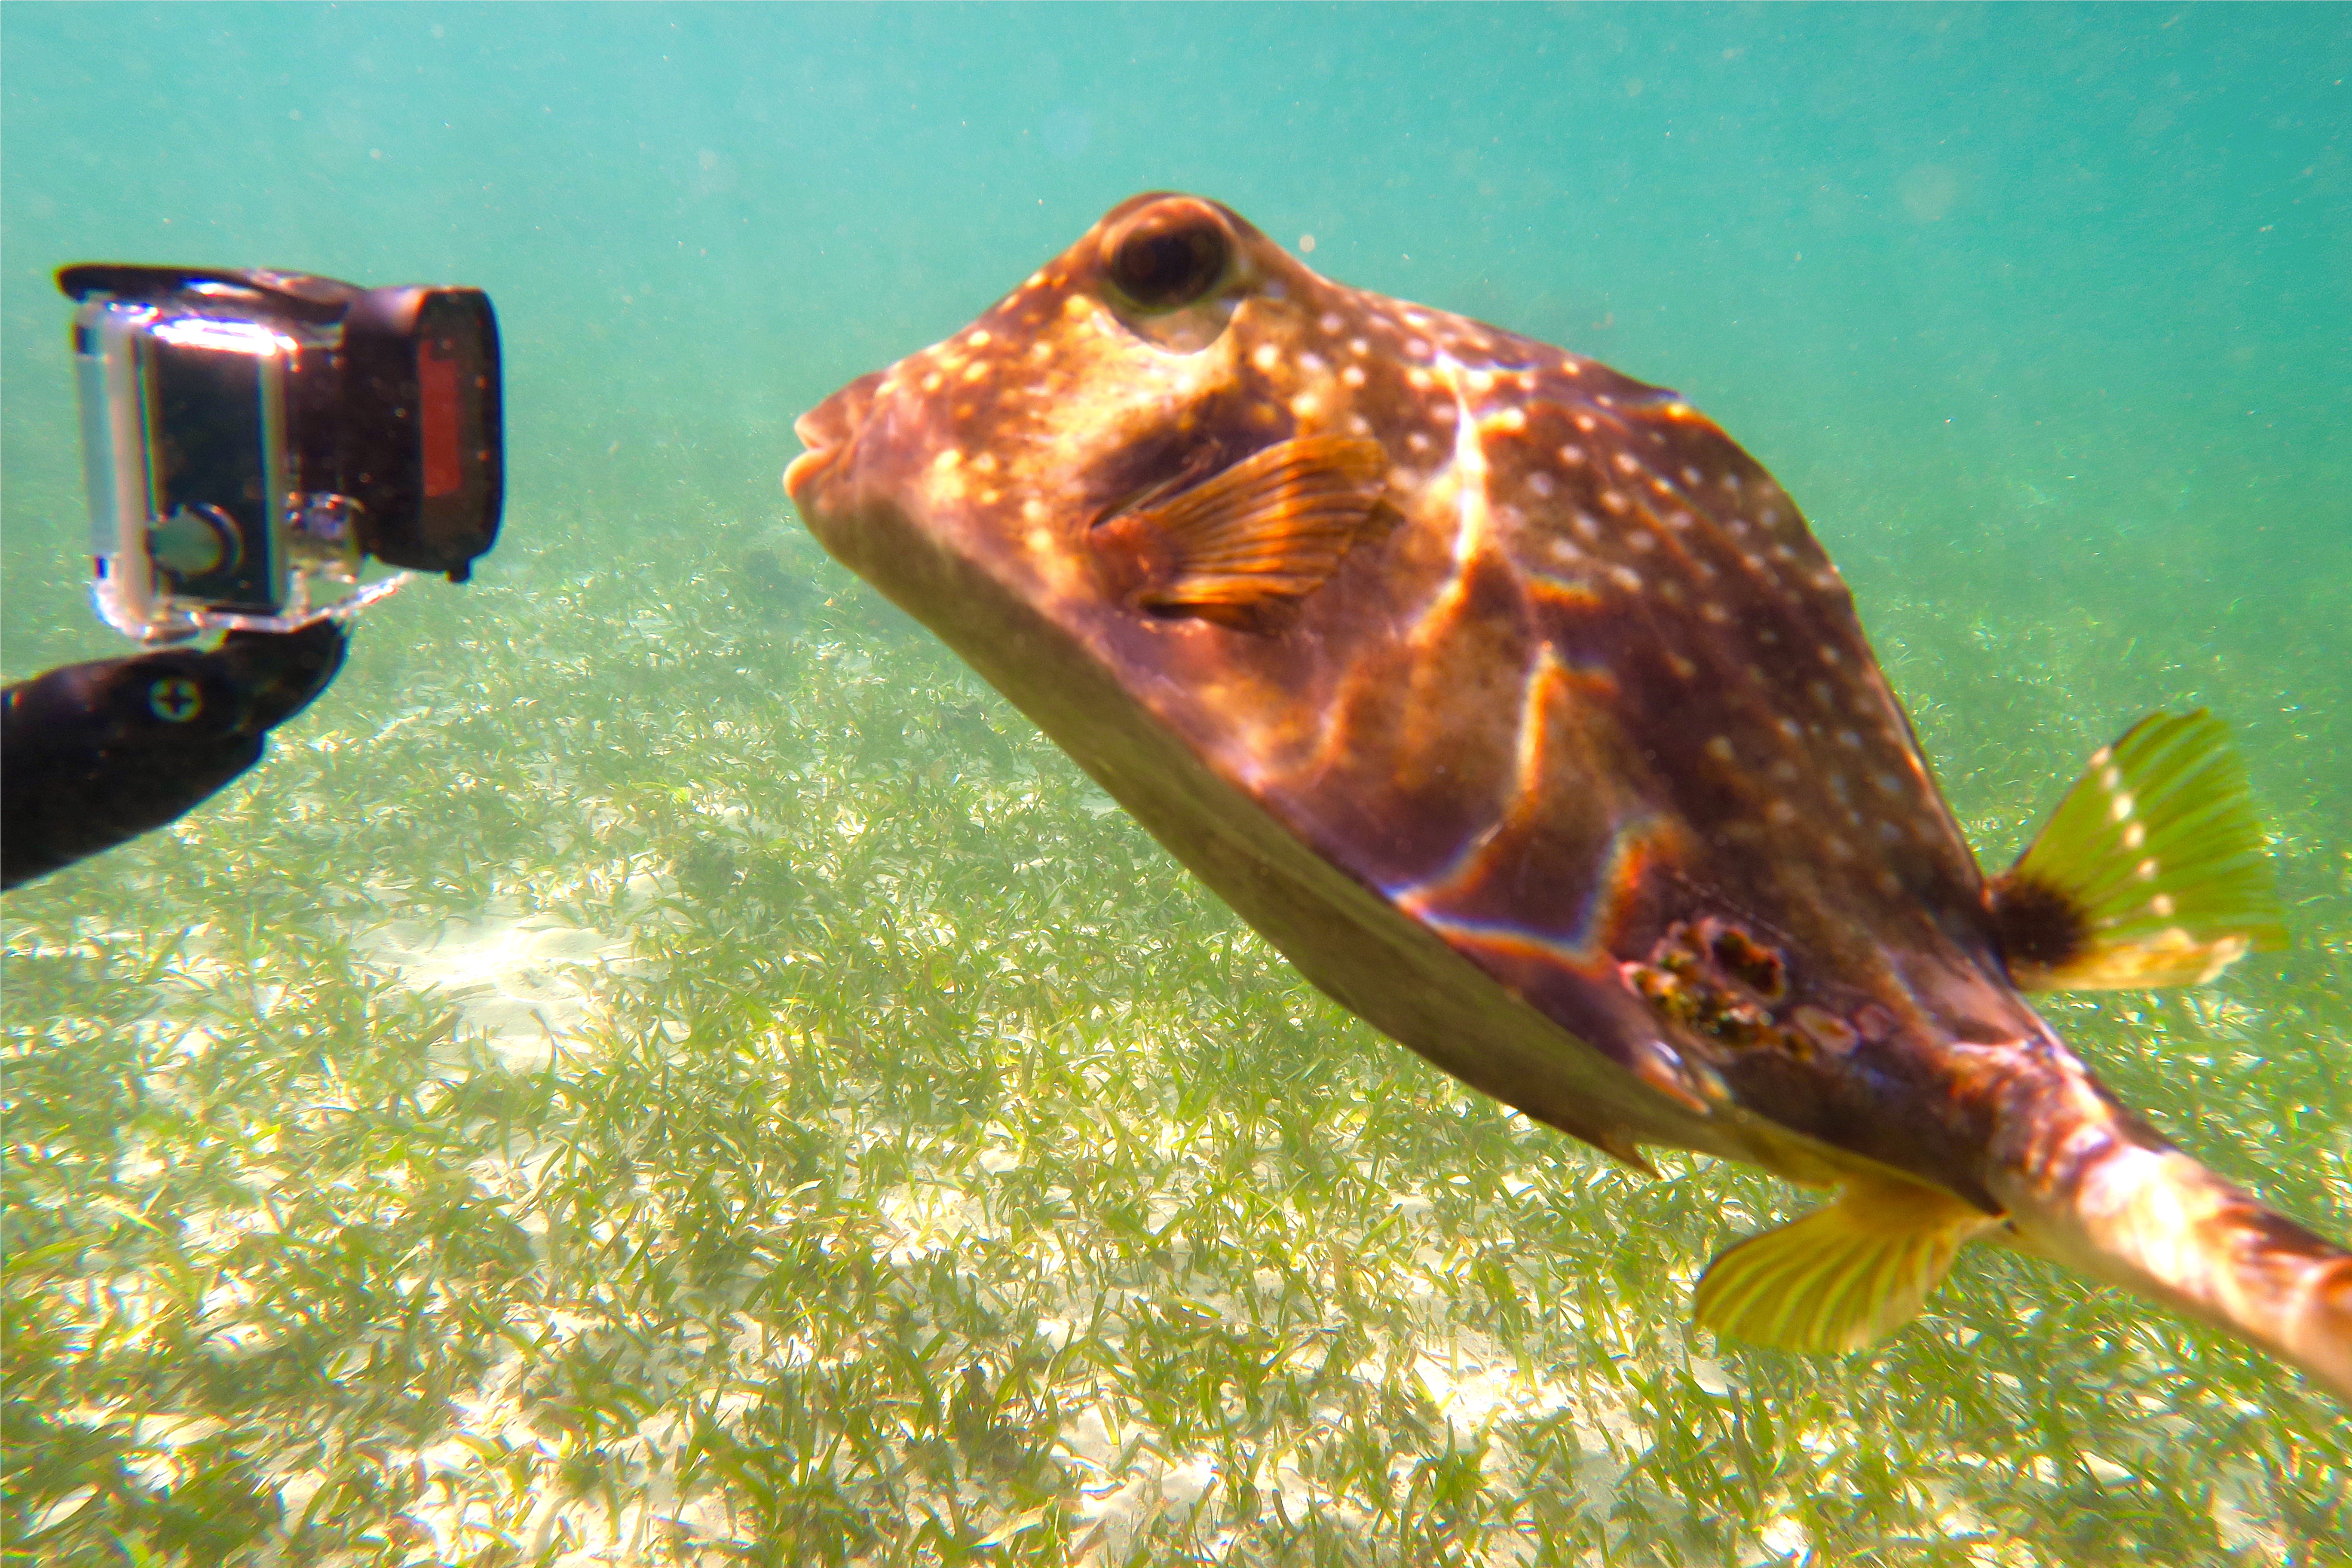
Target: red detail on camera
[(439, 413)]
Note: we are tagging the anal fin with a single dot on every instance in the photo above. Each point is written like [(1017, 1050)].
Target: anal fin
[(2152, 871), (1843, 1277)]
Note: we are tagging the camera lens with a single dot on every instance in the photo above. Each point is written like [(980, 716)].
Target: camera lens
[(195, 542)]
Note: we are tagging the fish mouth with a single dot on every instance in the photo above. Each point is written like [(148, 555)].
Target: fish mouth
[(828, 431), (802, 470)]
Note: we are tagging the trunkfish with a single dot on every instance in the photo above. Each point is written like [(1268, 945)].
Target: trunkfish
[(1519, 708)]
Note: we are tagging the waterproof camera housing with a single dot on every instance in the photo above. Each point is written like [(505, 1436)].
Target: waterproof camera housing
[(252, 439)]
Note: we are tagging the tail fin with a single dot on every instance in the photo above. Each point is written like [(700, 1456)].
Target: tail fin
[(2091, 1186)]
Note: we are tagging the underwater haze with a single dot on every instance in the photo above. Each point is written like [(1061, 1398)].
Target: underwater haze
[(661, 1064)]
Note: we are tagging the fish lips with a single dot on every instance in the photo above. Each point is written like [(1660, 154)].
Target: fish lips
[(829, 432), (860, 496), (847, 498)]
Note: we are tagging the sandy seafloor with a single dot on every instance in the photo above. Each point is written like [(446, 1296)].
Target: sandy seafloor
[(661, 1065)]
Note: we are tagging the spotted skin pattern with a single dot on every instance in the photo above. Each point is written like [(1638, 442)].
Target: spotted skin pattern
[(1589, 687)]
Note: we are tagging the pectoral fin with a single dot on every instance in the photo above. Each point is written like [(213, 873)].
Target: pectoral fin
[(2152, 871), (1272, 527), (1845, 1276)]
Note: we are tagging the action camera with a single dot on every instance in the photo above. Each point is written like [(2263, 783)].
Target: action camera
[(251, 439)]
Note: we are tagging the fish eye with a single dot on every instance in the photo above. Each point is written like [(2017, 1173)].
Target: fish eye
[(1169, 256)]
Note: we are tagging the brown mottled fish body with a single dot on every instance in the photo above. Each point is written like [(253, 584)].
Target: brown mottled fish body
[(1519, 709)]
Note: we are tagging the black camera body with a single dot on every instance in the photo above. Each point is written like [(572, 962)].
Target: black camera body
[(251, 438)]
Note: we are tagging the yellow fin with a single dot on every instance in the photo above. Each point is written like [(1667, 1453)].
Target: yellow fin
[(1274, 526), (2152, 871), (1843, 1277)]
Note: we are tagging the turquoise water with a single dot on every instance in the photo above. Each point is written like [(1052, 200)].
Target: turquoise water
[(614, 1081)]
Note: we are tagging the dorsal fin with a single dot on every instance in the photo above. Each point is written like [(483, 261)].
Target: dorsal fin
[(2152, 871), (1274, 526)]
